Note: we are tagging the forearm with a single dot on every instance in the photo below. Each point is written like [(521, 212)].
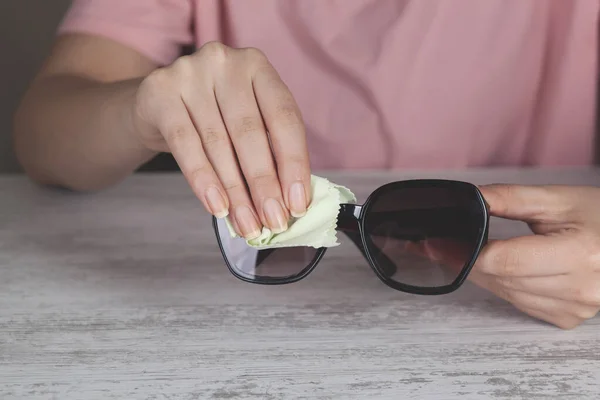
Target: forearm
[(78, 133)]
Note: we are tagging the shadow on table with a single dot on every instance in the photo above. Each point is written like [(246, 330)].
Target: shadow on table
[(150, 267)]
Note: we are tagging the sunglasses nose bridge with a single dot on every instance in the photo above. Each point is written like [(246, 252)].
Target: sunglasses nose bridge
[(349, 212)]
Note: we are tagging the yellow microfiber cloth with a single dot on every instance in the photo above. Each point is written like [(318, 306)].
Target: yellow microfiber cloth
[(317, 228)]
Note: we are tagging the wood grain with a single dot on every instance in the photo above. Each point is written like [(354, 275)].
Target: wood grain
[(123, 295)]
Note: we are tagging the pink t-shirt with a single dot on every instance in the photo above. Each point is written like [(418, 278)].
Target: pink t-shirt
[(399, 83)]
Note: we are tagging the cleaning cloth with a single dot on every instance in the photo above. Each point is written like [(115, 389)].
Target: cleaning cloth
[(317, 228)]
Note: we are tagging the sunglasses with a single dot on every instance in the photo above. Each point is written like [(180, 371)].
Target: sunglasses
[(419, 236)]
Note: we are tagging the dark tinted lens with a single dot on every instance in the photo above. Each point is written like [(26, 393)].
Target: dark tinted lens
[(270, 264), (425, 236)]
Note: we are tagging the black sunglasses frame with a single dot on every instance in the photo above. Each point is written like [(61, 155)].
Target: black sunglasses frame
[(353, 215)]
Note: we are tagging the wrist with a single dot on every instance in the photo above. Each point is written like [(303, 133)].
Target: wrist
[(134, 127)]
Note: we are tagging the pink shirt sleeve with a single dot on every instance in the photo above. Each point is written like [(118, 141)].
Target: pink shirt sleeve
[(155, 28)]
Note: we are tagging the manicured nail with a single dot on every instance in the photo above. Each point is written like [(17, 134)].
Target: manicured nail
[(297, 200), (247, 222), (216, 202), (236, 226), (275, 216)]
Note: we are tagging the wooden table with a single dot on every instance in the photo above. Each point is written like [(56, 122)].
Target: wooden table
[(124, 294)]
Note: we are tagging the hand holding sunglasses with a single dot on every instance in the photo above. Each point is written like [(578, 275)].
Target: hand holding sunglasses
[(401, 230), (423, 237)]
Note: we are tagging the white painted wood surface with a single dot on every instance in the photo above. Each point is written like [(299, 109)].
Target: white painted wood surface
[(123, 295)]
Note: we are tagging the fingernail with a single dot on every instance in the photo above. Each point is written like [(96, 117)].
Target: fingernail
[(247, 222), (297, 200), (216, 202), (275, 215), (236, 226)]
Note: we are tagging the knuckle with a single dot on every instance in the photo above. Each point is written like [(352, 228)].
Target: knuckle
[(505, 194), (593, 295), (262, 176), (286, 115), (589, 294), (176, 133), (563, 202), (263, 181), (509, 262), (506, 282), (507, 294), (154, 84), (254, 55), (293, 164), (592, 249), (585, 313), (215, 52), (234, 186), (199, 173), (555, 204), (183, 66), (212, 137), (504, 259), (159, 78), (248, 125)]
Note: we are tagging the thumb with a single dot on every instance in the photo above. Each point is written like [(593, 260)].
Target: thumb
[(531, 204)]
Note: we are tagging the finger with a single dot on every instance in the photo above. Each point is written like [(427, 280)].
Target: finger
[(533, 255), (205, 114), (530, 203), (565, 314), (288, 138), (584, 289), (180, 134), (245, 126)]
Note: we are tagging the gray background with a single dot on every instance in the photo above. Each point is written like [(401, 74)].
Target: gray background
[(27, 30), (26, 33)]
